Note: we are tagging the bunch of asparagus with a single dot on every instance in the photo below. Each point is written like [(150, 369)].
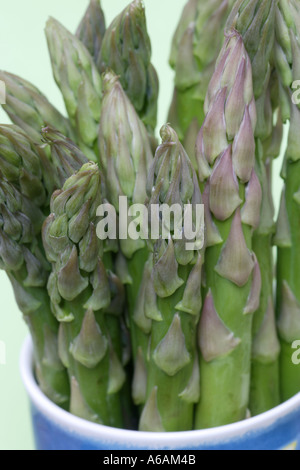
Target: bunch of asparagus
[(145, 332)]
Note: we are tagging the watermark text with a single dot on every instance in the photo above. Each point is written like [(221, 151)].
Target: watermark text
[(2, 353), (296, 355), (158, 221), (2, 92)]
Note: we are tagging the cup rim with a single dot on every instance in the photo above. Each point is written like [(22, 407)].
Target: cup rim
[(66, 420)]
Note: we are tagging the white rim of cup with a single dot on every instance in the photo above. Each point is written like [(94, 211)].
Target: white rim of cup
[(122, 436)]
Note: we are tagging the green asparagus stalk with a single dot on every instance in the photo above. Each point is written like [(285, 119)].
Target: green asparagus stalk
[(255, 21), (265, 383), (125, 152), (86, 299), (28, 108), (287, 235), (188, 16), (22, 258), (65, 156), (92, 28), (27, 166), (287, 50), (126, 49), (80, 83), (27, 180), (265, 388), (287, 240), (195, 48), (36, 173), (172, 293), (232, 196), (126, 157), (265, 380)]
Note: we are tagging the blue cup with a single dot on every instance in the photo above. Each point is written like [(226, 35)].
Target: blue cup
[(56, 429)]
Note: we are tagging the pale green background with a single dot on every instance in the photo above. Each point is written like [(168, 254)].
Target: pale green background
[(23, 51)]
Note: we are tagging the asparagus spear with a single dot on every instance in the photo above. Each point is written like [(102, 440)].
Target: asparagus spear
[(125, 153), (287, 50), (80, 83), (195, 48), (287, 236), (36, 173), (126, 49), (92, 28), (26, 165), (265, 390), (255, 21), (28, 179), (28, 108), (66, 157), (86, 299), (265, 380), (232, 195), (22, 258), (172, 294), (126, 158)]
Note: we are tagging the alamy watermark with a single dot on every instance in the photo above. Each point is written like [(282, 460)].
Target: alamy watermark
[(296, 355), (158, 221), (296, 344), (296, 94), (2, 353), (2, 92)]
